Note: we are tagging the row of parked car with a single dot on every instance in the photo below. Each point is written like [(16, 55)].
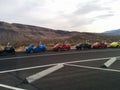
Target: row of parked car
[(67, 46), (61, 47), (97, 45)]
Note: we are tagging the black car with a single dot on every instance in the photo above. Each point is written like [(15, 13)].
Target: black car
[(83, 46), (7, 51)]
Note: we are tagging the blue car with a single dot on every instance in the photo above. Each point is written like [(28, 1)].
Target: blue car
[(39, 48)]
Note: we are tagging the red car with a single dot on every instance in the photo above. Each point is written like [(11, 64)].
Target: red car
[(62, 47), (99, 45)]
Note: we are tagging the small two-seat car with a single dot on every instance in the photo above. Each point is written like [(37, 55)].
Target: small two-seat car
[(83, 46), (39, 48), (62, 47), (99, 45), (115, 45), (8, 50)]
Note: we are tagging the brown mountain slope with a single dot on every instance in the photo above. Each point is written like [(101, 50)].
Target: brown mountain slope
[(19, 32)]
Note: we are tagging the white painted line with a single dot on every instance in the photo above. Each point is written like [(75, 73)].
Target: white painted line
[(27, 68), (32, 56), (87, 60), (44, 73), (110, 62), (35, 67), (10, 87), (96, 68)]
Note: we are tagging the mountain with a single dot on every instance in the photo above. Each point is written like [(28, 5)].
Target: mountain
[(113, 32), (19, 33)]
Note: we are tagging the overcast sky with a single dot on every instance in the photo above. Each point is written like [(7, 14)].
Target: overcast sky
[(71, 15)]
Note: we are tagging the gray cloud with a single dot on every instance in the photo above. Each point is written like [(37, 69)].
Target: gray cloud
[(77, 21), (90, 7), (18, 10), (104, 16), (70, 22), (44, 13)]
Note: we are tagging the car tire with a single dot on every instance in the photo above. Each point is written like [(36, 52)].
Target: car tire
[(13, 53), (59, 50), (117, 46)]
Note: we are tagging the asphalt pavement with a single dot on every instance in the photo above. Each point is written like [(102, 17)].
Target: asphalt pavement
[(82, 70)]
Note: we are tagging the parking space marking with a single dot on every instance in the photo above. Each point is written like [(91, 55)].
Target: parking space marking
[(43, 73), (109, 62), (87, 60), (41, 66), (11, 87), (27, 68), (95, 68)]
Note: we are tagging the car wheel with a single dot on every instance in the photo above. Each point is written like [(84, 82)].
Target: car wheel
[(117, 46), (82, 48), (68, 49), (29, 51), (77, 48), (59, 50), (4, 53), (13, 53)]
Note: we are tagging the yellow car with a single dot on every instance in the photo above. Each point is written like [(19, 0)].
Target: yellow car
[(115, 44)]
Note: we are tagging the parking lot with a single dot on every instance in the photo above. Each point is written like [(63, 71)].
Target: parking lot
[(79, 74)]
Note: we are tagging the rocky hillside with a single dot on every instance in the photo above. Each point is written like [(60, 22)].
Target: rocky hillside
[(14, 32), (20, 32)]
